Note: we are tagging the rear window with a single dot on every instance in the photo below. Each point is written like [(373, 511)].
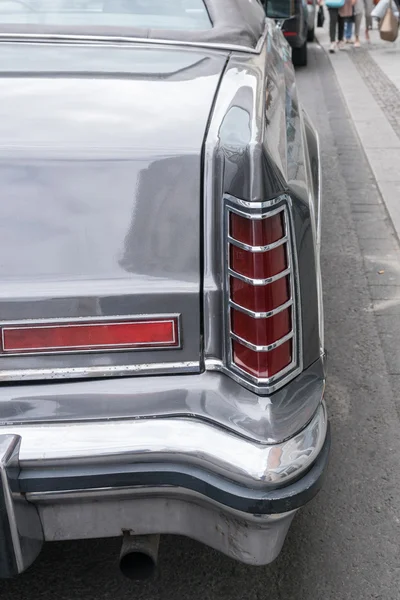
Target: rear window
[(154, 14)]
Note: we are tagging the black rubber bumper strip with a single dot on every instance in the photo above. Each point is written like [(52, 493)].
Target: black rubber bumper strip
[(228, 493)]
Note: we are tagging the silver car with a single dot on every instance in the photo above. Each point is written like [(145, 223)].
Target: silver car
[(162, 355)]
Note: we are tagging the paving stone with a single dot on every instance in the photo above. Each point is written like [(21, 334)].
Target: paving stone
[(382, 88), (389, 324), (371, 228)]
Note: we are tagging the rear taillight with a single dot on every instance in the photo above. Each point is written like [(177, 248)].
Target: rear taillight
[(262, 336)]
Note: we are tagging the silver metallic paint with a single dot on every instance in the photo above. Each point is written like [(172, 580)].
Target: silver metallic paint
[(98, 192), (209, 396)]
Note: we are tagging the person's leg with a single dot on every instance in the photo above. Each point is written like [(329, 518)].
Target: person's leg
[(368, 19), (333, 19), (347, 30), (351, 27), (340, 28), (357, 27)]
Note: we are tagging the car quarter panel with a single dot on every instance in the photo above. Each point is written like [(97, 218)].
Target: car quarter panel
[(209, 396), (255, 151)]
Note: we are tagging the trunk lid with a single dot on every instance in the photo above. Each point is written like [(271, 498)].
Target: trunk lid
[(100, 187)]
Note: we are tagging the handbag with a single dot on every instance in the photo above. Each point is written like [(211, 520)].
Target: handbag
[(389, 28), (334, 3), (320, 17)]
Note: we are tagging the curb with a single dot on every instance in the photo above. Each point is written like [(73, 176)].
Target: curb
[(378, 139)]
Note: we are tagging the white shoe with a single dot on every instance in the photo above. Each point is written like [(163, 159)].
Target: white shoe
[(332, 48), (341, 45)]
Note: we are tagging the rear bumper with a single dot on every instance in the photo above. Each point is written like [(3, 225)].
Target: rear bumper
[(179, 476)]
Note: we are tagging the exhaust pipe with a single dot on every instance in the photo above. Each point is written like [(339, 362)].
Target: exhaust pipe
[(138, 558)]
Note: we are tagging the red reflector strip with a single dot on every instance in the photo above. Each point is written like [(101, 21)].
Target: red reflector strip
[(289, 33), (90, 336)]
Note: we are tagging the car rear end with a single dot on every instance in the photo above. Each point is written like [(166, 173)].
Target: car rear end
[(311, 16), (161, 361)]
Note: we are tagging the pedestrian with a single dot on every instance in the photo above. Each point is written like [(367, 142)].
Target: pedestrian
[(337, 16), (368, 6), (358, 15), (348, 29)]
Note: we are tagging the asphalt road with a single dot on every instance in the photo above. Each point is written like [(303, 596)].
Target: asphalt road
[(345, 544)]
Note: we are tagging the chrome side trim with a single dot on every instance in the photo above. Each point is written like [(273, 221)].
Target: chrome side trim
[(261, 315), (266, 248), (84, 40), (259, 281), (256, 348), (183, 441), (104, 371), (319, 271)]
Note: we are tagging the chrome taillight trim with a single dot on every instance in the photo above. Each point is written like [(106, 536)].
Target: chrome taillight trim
[(262, 210), (261, 315), (236, 204), (256, 348), (266, 248), (233, 273)]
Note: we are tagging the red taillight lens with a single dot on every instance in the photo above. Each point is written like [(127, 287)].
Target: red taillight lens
[(260, 298), (258, 265), (261, 332), (89, 336), (256, 232), (256, 364)]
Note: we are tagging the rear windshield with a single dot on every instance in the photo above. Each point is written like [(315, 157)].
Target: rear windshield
[(153, 14)]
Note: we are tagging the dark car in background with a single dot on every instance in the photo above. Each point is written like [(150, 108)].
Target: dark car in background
[(295, 29), (311, 16)]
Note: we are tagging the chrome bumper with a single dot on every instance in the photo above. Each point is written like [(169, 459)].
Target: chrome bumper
[(180, 476)]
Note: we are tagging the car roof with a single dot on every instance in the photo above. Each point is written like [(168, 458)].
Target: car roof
[(234, 23)]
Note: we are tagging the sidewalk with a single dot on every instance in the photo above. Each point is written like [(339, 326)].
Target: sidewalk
[(369, 78)]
